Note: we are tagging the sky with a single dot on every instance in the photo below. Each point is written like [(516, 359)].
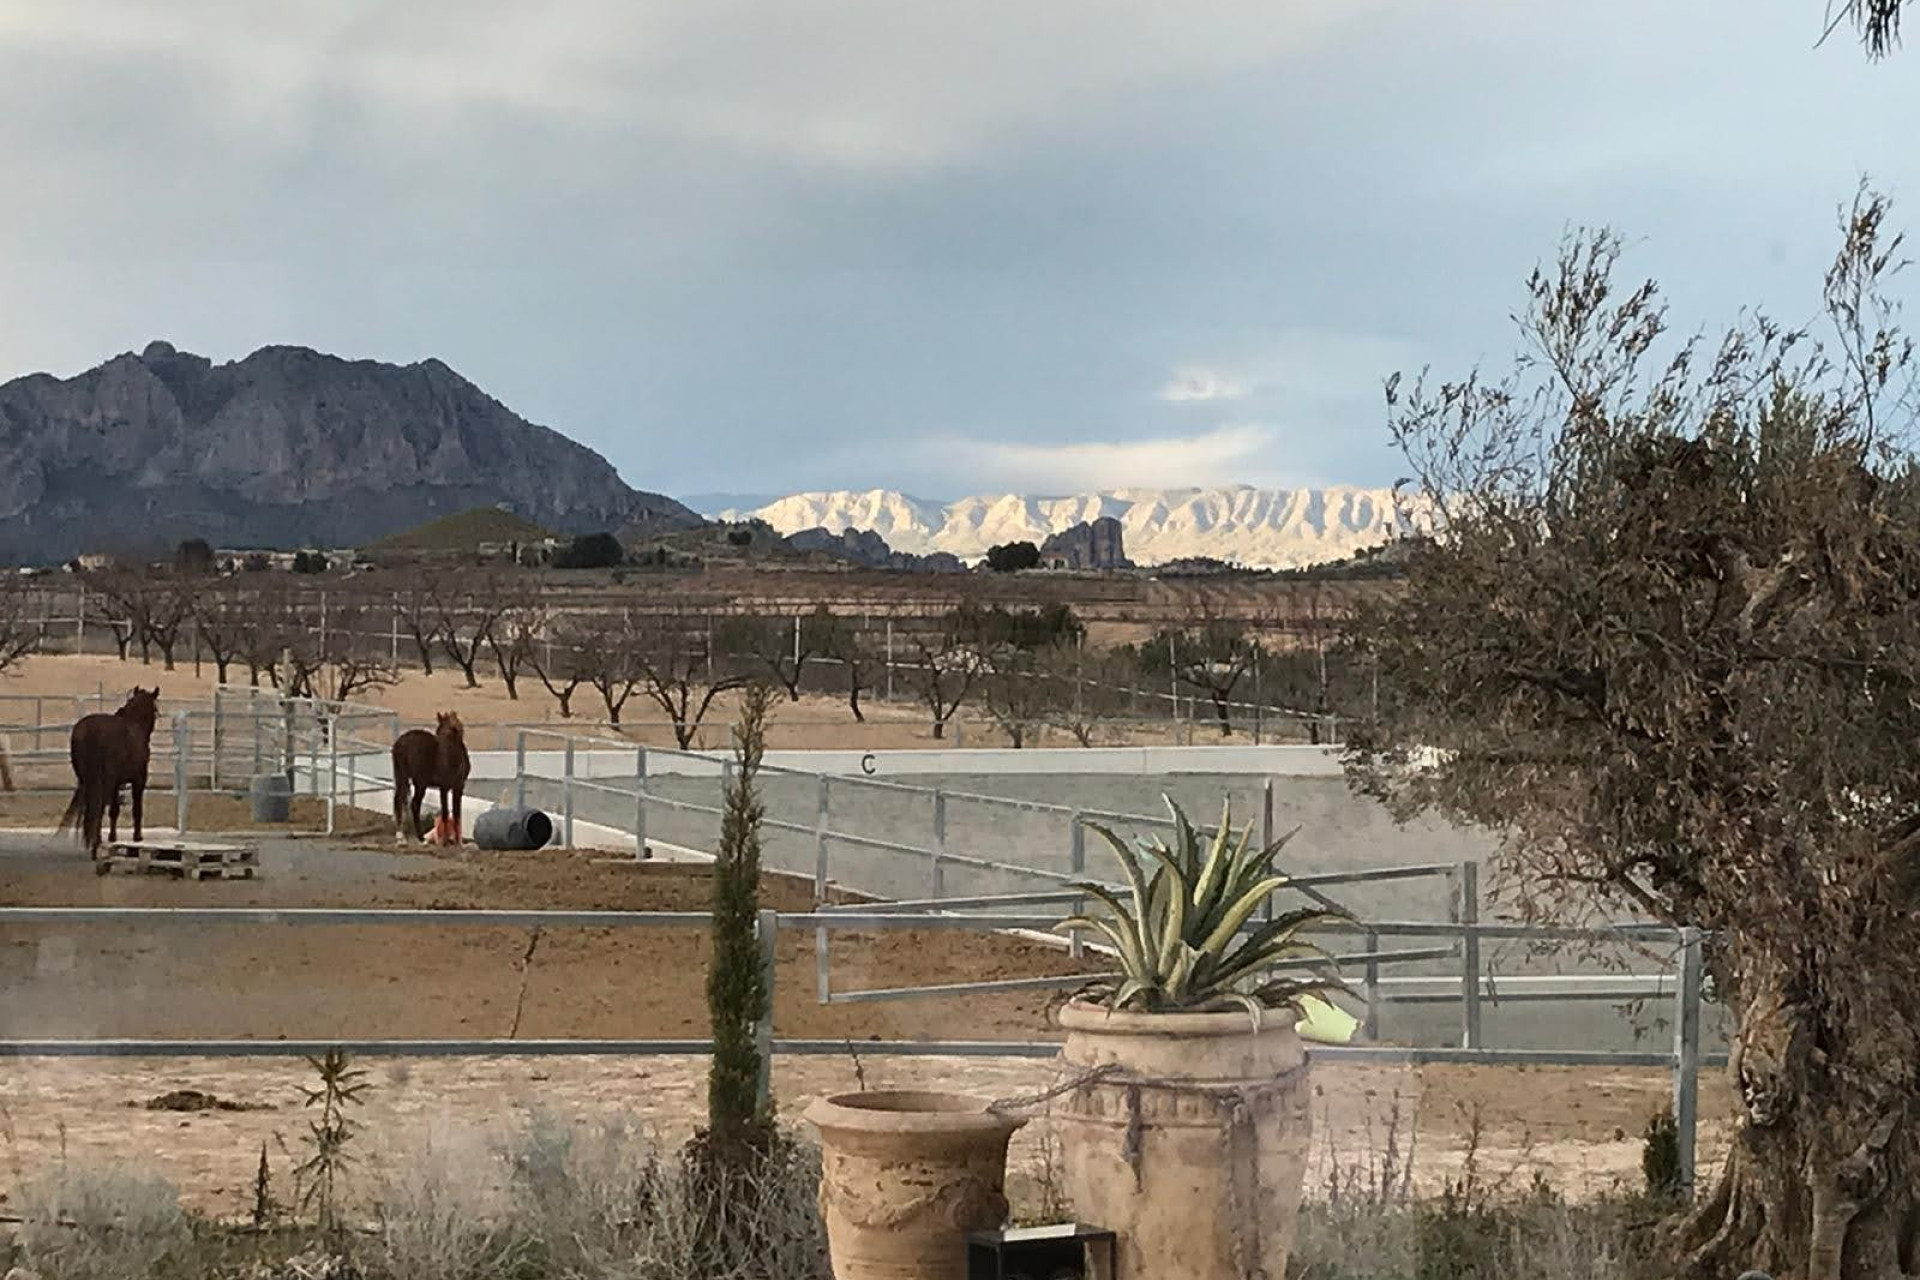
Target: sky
[(968, 247)]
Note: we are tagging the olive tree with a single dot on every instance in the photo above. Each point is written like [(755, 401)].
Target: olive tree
[(1663, 641)]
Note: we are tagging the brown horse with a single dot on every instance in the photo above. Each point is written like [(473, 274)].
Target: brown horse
[(422, 760), (110, 752)]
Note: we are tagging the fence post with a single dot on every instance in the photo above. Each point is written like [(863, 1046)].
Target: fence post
[(182, 743), (1266, 837), (1077, 863), (1371, 1027), (520, 769), (259, 733), (333, 771), (1686, 1053), (939, 843), (216, 739), (566, 795), (1470, 955), (763, 1026), (822, 814), (640, 802)]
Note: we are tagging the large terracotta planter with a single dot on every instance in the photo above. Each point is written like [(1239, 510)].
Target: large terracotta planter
[(1193, 1144), (904, 1177)]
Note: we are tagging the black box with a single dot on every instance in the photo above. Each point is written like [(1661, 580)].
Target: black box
[(1065, 1251)]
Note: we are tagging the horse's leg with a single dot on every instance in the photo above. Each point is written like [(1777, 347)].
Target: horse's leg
[(446, 813), (458, 836), (399, 806), (419, 797), (113, 818), (139, 798)]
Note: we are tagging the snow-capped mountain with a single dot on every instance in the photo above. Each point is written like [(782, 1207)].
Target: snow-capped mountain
[(1259, 528)]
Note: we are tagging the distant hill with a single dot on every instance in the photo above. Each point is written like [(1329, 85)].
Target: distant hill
[(286, 448), (463, 531)]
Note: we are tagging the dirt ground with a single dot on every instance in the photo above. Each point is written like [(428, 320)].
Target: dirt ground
[(1581, 1129)]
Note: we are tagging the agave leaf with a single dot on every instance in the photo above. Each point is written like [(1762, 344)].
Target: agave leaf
[(1131, 963), (1128, 990), (1245, 961), (1119, 925), (1215, 874), (1170, 903), (1179, 980), (1141, 898), (1279, 931), (1260, 864), (1184, 838), (1239, 912)]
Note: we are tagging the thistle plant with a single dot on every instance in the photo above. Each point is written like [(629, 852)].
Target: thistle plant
[(1183, 940)]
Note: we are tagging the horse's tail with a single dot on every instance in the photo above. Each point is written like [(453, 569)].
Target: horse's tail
[(91, 791), (73, 808), (400, 796)]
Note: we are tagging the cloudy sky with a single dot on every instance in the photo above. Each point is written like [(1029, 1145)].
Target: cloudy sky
[(948, 247)]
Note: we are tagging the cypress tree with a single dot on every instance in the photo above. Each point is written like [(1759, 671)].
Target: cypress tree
[(737, 994)]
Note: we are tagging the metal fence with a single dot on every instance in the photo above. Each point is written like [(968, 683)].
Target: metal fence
[(1685, 1059), (926, 854)]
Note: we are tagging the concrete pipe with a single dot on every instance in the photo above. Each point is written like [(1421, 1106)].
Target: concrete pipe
[(512, 829)]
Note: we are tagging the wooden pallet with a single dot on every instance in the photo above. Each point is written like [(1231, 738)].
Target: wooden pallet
[(188, 861)]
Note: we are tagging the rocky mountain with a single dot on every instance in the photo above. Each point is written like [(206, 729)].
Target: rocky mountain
[(869, 550), (287, 447), (1255, 528), (1099, 544)]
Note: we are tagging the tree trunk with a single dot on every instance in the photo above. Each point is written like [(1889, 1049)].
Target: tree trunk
[(1819, 1184)]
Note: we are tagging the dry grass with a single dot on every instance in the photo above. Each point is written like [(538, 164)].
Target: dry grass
[(601, 1198)]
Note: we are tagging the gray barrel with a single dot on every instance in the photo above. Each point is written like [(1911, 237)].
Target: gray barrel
[(272, 797), (512, 829)]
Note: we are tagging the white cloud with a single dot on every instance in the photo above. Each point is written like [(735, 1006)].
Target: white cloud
[(1195, 384), (1243, 454)]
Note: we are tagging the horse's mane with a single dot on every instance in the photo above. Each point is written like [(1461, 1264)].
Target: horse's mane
[(142, 707)]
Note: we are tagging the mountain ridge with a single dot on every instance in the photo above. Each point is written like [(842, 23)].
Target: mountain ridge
[(286, 446), (1238, 524)]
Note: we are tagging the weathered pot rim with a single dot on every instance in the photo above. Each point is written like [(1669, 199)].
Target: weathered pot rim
[(909, 1111), (1089, 1016)]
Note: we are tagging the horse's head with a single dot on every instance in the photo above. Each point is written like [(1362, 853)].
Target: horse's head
[(449, 727), (142, 707)]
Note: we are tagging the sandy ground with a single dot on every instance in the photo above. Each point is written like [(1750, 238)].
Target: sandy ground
[(816, 721), (1581, 1129), (1578, 1129)]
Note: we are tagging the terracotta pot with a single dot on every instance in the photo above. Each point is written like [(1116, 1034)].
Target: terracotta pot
[(904, 1177), (1194, 1145)]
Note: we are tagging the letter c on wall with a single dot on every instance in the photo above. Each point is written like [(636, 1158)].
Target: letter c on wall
[(867, 765)]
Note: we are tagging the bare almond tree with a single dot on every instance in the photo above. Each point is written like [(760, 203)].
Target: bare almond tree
[(1089, 688), (557, 653), (467, 609), (781, 647), (222, 618), (416, 612), (946, 666), (679, 673), (610, 653), (845, 643), (21, 631), (512, 640)]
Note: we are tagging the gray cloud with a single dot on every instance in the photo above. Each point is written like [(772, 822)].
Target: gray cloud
[(746, 246)]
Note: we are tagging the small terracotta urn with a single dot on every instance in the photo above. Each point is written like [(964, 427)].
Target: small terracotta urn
[(904, 1177)]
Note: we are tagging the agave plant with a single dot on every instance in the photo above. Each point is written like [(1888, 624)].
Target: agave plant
[(1180, 940)]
